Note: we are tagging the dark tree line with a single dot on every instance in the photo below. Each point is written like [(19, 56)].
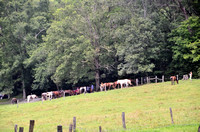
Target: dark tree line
[(53, 45)]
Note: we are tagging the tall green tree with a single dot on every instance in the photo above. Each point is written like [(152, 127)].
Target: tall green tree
[(26, 20), (186, 47), (142, 38), (78, 43)]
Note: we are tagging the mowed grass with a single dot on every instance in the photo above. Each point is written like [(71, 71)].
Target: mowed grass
[(146, 109)]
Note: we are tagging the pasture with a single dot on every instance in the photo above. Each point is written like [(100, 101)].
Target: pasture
[(146, 108)]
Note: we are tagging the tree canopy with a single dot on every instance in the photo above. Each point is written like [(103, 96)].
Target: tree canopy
[(59, 44)]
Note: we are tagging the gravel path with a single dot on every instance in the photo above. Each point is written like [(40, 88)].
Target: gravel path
[(20, 101)]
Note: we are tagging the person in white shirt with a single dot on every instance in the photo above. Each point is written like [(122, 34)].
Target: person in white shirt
[(190, 74)]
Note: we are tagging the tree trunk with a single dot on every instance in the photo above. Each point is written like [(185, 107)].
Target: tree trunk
[(144, 3), (97, 80), (96, 61), (23, 87), (23, 82), (182, 8), (94, 41), (57, 86)]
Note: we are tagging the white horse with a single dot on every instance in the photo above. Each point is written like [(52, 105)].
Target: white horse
[(81, 88), (127, 82), (29, 97), (50, 95)]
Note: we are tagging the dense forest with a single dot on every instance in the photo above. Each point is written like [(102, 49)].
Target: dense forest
[(60, 44)]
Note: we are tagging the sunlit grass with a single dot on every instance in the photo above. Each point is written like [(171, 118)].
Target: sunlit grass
[(146, 109)]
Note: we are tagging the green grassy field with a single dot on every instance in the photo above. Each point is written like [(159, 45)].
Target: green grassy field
[(146, 109)]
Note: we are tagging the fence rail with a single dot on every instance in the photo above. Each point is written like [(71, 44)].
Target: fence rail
[(147, 80)]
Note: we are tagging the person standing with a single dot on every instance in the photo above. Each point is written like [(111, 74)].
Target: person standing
[(92, 88), (190, 74)]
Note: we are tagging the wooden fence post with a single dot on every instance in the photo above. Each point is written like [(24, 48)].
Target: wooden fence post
[(123, 120), (156, 79), (70, 128), (74, 124), (136, 82), (171, 115), (21, 129), (59, 128), (141, 80), (32, 122), (163, 77), (15, 127), (99, 128)]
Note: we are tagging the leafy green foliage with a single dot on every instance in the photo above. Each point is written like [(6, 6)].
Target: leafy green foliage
[(26, 21), (186, 38), (48, 45), (139, 48)]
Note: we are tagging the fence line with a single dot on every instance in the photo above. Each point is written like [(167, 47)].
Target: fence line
[(147, 80), (72, 127)]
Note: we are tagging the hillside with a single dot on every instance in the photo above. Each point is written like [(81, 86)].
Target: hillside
[(146, 109)]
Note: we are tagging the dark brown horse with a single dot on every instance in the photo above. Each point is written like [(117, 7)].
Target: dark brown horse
[(14, 101), (173, 78)]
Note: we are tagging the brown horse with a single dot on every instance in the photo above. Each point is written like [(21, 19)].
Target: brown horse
[(173, 78), (105, 85), (14, 101), (115, 84), (109, 84), (77, 91), (70, 92), (58, 94)]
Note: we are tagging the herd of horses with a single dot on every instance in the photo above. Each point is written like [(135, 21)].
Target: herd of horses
[(60, 93), (119, 83), (86, 89), (79, 90)]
